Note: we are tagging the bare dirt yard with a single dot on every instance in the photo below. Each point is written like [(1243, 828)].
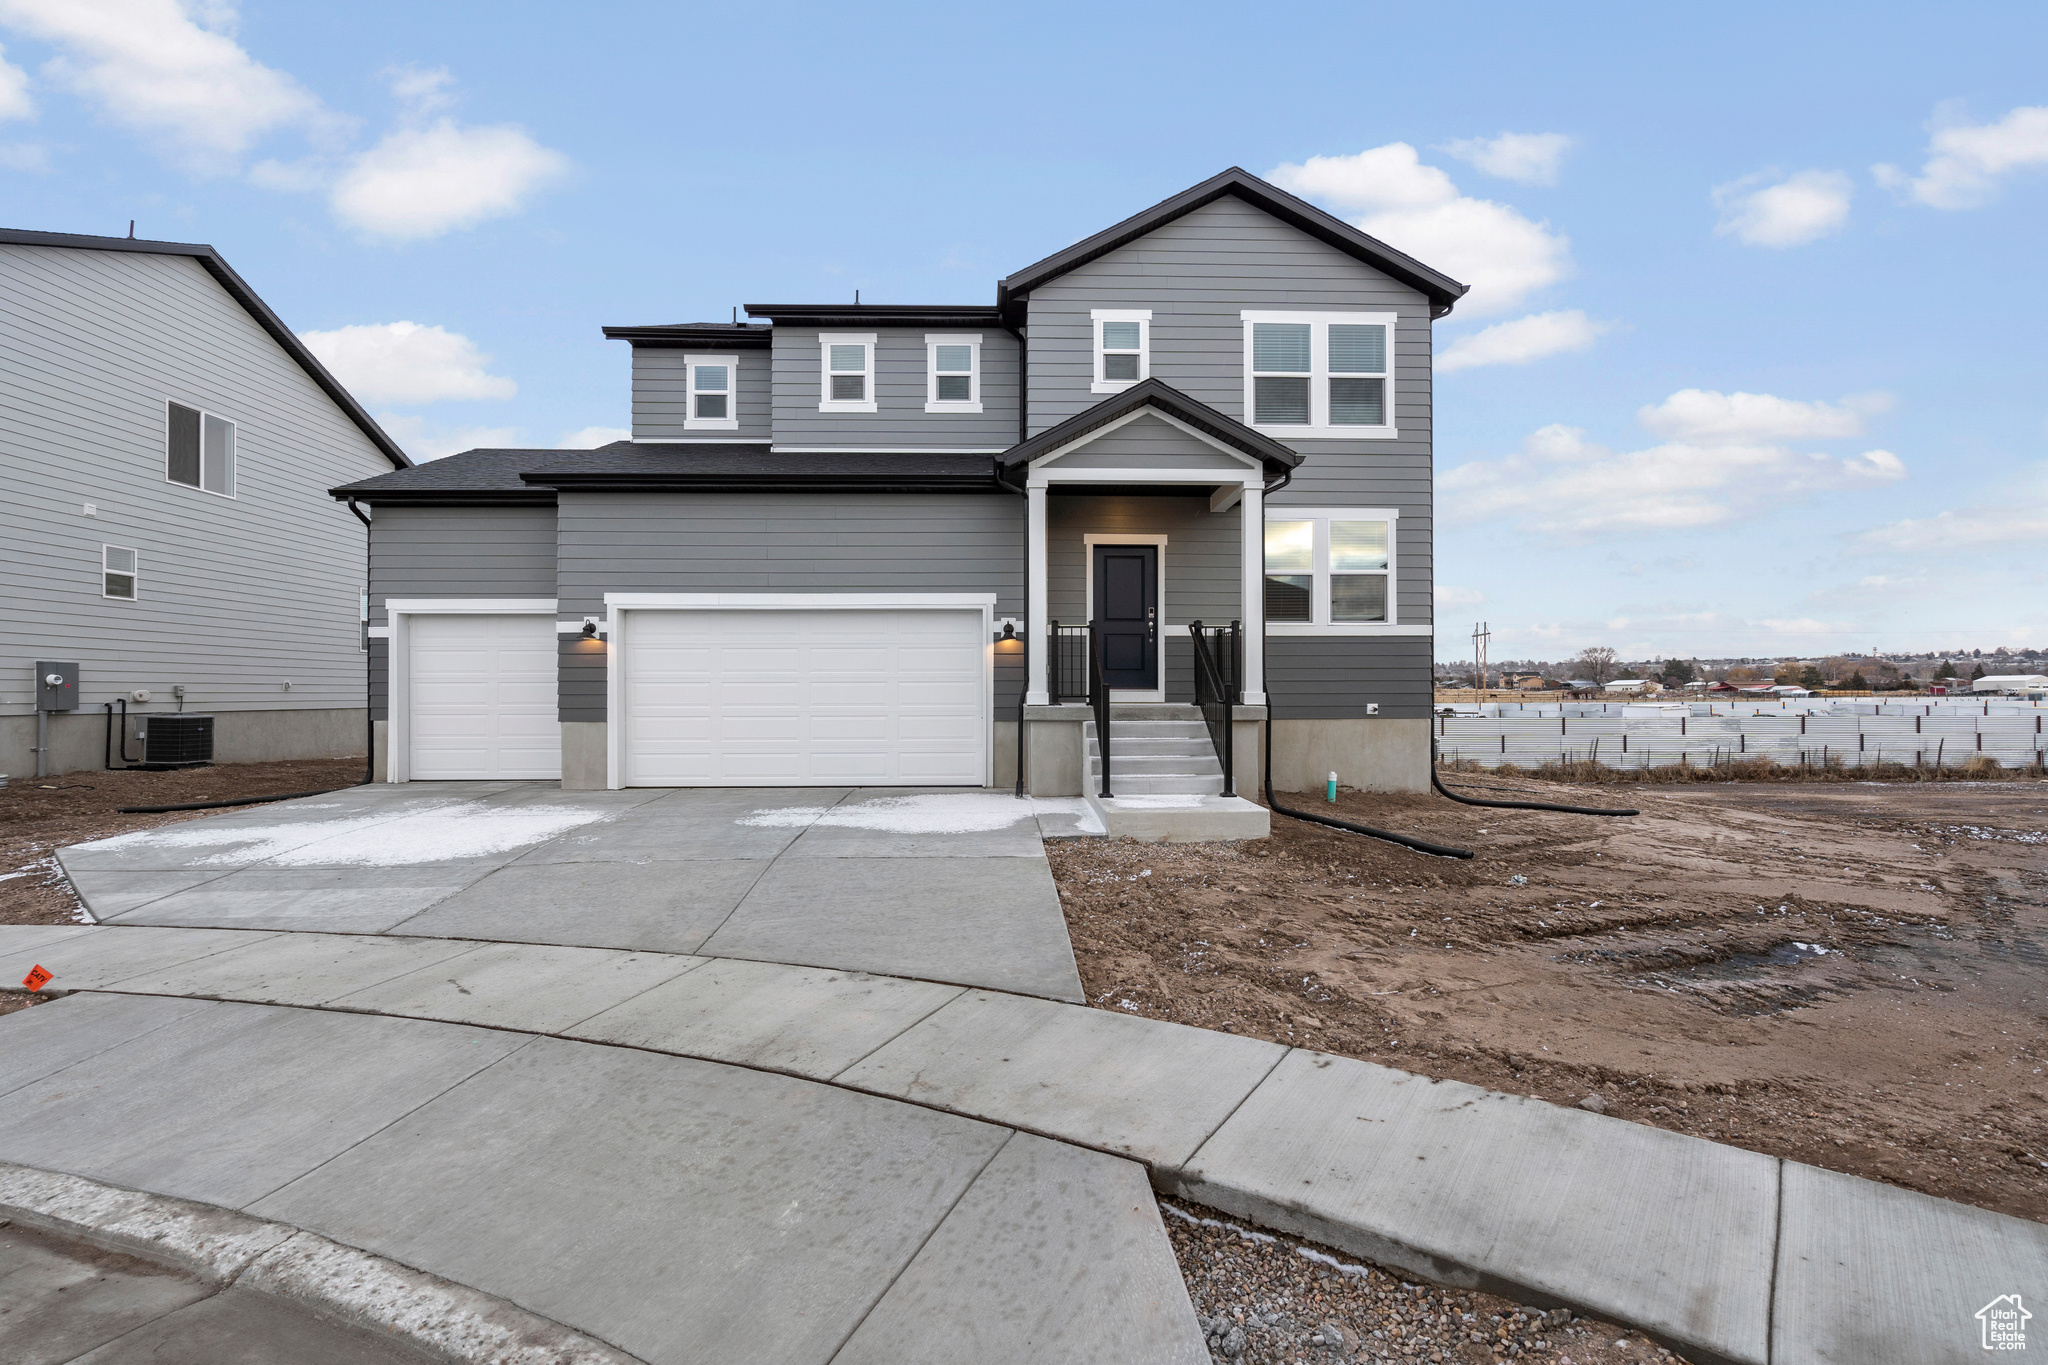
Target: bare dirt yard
[(39, 815), (1847, 974)]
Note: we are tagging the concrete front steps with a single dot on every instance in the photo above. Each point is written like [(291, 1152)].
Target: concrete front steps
[(1167, 780)]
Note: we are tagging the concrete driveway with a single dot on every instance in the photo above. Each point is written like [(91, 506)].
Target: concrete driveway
[(942, 885)]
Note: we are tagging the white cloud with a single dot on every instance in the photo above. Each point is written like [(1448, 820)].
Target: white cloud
[(1961, 529), (424, 442), (1521, 341), (177, 77), (1528, 158), (1767, 209), (422, 182), (1502, 255), (404, 362), (24, 156), (1704, 417), (1964, 160), (1566, 486), (421, 90), (1447, 596), (590, 438), (14, 97)]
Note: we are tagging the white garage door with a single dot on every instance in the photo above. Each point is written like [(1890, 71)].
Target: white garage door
[(483, 697), (882, 697)]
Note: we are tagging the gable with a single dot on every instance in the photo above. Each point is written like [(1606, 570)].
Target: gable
[(1147, 442)]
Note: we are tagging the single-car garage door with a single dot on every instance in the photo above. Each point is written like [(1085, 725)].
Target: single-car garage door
[(482, 697), (749, 698)]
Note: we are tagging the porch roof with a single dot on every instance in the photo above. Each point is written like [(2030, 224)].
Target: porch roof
[(1164, 398)]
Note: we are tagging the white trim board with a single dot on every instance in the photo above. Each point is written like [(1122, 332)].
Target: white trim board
[(1091, 539), (1044, 462), (399, 612)]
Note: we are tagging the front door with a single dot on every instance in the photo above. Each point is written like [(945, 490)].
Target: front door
[(1126, 614)]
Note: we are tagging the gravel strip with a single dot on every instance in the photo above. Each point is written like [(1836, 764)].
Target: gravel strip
[(1266, 1299)]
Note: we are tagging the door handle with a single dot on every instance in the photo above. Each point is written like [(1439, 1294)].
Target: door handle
[(1151, 626)]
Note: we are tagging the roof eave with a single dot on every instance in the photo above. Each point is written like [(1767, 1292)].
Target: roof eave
[(1154, 394)]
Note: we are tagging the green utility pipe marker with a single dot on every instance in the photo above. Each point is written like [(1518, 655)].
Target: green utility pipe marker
[(1331, 793)]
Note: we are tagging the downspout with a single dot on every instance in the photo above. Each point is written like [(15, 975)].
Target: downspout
[(1023, 432), (369, 661)]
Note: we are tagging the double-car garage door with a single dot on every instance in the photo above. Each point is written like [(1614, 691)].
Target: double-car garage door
[(787, 697)]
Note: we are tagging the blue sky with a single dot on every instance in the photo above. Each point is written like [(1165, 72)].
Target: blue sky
[(1753, 363)]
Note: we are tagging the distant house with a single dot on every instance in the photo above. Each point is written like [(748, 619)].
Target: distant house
[(169, 446), (2011, 683), (1631, 685)]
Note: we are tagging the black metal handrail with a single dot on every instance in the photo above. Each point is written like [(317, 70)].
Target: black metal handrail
[(1218, 654), (1098, 697), (1066, 653)]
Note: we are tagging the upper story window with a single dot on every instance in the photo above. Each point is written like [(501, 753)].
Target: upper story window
[(200, 450), (117, 572), (847, 375), (1123, 347), (1330, 569), (713, 391), (1320, 374), (953, 370)]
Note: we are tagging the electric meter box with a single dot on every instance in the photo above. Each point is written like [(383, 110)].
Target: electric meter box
[(56, 686)]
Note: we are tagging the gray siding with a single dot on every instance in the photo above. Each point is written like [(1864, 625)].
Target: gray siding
[(900, 421), (236, 596), (754, 542), (1201, 575), (1148, 443), (1197, 275), (1334, 677), (661, 399)]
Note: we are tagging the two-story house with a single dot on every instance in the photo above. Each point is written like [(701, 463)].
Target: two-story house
[(166, 447), (862, 545)]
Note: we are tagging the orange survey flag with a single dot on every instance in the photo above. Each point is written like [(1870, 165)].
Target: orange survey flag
[(38, 977)]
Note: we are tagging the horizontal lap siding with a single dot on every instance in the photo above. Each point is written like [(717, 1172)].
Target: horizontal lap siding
[(768, 543), (661, 400), (1148, 443), (1197, 275), (461, 552), (900, 388), (1335, 677), (236, 596), (1202, 578)]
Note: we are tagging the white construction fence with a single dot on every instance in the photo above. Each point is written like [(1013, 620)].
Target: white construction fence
[(1814, 730)]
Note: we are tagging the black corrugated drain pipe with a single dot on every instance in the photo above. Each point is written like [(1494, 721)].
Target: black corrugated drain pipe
[(1444, 791), (1406, 841), (216, 805)]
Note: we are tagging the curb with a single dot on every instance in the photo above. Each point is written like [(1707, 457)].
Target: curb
[(223, 1247)]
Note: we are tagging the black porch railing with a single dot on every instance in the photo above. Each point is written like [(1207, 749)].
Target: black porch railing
[(1066, 654), (1098, 697), (1219, 669)]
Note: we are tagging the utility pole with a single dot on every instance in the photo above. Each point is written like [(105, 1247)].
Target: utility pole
[(1481, 637)]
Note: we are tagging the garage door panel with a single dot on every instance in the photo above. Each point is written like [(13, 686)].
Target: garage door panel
[(871, 696), (482, 697)]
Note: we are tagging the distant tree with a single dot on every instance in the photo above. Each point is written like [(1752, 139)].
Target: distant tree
[(1743, 673), (1677, 673), (1947, 670), (1855, 682), (1809, 677), (1596, 662), (1786, 674), (1976, 672)]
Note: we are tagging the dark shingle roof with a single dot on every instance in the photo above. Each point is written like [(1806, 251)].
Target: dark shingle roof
[(472, 476), (210, 260), (685, 334)]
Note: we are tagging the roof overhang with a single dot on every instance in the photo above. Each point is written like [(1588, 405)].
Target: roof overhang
[(877, 314), (1275, 458), (1441, 289), (695, 335), (210, 260)]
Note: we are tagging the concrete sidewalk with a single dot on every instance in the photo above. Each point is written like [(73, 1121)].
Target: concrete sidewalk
[(1725, 1254), (946, 886)]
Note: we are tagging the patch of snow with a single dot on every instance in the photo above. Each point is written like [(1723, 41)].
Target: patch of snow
[(431, 832), (950, 813)]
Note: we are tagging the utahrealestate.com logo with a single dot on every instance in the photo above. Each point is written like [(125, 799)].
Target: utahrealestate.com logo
[(2004, 1320)]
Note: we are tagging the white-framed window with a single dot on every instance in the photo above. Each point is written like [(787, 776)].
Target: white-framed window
[(953, 372), (1123, 347), (846, 372), (714, 392), (1326, 375), (1330, 569), (199, 449), (117, 572)]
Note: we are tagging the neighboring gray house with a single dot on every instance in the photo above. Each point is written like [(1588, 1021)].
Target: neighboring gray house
[(166, 445), (834, 550)]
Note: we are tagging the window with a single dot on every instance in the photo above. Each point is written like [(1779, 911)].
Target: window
[(1330, 568), (200, 450), (954, 366), (1320, 374), (713, 393), (1123, 348), (117, 572), (848, 378)]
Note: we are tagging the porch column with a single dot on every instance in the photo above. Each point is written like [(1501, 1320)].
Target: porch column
[(1254, 594), (1035, 614)]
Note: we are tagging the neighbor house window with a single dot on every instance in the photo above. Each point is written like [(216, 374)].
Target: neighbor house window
[(848, 379), (1330, 568), (1320, 374), (714, 393), (200, 450), (953, 366), (117, 572), (1123, 347)]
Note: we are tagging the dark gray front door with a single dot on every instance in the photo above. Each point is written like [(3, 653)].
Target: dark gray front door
[(1126, 614)]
